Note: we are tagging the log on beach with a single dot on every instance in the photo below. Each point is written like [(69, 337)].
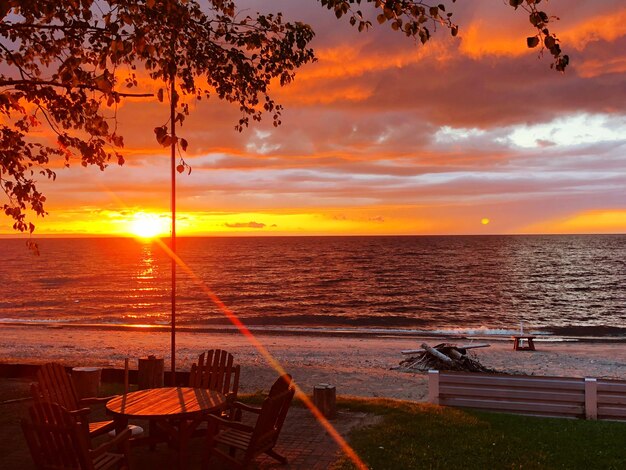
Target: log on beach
[(443, 356), (460, 348)]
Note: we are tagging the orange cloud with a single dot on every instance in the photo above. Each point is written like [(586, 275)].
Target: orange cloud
[(354, 93), (356, 60), (485, 37), (341, 73), (479, 39), (607, 26), (594, 67), (595, 221)]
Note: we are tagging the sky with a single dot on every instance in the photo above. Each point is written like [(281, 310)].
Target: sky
[(467, 135)]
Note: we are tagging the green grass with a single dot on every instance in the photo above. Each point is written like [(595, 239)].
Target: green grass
[(420, 436)]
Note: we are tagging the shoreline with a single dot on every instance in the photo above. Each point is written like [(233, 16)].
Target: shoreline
[(467, 334), (359, 366)]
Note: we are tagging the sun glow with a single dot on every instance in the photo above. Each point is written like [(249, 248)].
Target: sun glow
[(147, 225)]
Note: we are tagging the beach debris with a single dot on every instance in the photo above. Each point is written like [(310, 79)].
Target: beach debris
[(444, 356), (465, 346)]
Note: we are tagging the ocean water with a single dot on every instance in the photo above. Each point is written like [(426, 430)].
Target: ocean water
[(569, 286)]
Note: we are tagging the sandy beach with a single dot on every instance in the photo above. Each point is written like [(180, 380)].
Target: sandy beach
[(359, 366)]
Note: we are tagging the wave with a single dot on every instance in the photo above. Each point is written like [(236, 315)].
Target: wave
[(555, 334)]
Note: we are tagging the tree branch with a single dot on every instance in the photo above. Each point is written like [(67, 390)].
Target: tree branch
[(4, 83), (62, 27)]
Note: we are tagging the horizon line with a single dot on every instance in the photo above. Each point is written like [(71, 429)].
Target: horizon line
[(260, 235)]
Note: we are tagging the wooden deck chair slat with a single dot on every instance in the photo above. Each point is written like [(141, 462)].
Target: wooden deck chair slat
[(206, 368), (221, 369), (193, 376), (228, 372)]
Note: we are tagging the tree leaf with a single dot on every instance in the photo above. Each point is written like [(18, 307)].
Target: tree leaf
[(532, 41)]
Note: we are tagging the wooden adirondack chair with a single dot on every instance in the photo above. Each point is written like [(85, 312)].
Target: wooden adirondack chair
[(252, 440), (215, 370), (56, 386), (56, 441)]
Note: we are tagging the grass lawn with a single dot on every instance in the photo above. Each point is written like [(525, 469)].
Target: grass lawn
[(420, 436)]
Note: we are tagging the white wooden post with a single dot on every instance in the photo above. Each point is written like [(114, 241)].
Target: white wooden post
[(591, 398), (433, 387)]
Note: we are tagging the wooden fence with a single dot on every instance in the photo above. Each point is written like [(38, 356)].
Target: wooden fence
[(532, 395)]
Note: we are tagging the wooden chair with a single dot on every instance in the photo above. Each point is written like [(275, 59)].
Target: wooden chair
[(56, 386), (252, 440), (56, 441), (216, 370)]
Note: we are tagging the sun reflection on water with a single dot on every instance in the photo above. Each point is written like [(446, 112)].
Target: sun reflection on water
[(146, 271)]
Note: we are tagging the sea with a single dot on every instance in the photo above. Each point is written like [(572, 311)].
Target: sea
[(569, 287)]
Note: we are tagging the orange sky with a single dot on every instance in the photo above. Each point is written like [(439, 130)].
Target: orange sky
[(382, 136)]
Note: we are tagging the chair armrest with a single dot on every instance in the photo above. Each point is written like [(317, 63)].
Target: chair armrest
[(243, 406), (95, 400), (82, 412), (119, 439), (218, 422)]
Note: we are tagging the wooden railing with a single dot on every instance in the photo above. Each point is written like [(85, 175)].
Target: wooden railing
[(531, 395), (611, 399)]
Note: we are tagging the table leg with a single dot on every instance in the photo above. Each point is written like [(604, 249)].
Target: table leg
[(153, 432), (183, 443), (186, 429), (121, 423)]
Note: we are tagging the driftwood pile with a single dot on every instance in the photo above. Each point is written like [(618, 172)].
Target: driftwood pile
[(444, 356)]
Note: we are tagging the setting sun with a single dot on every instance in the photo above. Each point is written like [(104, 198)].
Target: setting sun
[(148, 225)]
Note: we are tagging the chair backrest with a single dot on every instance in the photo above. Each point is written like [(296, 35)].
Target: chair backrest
[(282, 383), (215, 370), (272, 416), (56, 386), (55, 439)]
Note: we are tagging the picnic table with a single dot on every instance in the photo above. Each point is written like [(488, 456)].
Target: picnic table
[(519, 340), (175, 410)]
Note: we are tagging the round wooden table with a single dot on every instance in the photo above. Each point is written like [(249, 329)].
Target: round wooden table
[(178, 411)]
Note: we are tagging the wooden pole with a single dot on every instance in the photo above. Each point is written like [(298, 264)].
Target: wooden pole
[(150, 372), (173, 100), (591, 398), (325, 399), (433, 387), (126, 385)]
